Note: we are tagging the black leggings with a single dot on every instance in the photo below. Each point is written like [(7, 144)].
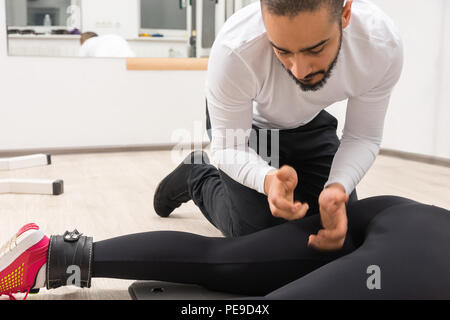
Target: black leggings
[(409, 242)]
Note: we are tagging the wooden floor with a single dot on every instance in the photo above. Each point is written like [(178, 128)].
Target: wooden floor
[(111, 194)]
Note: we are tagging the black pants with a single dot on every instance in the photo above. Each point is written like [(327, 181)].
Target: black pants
[(237, 210), (407, 241)]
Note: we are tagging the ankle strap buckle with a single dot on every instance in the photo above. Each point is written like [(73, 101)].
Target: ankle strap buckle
[(72, 236)]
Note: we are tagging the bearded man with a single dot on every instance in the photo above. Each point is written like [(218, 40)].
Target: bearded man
[(273, 69)]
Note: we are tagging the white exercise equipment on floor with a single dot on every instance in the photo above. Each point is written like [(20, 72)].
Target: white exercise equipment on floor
[(35, 160), (29, 186)]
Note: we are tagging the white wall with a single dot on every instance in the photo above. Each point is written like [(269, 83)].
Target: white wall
[(419, 114), (71, 102), (418, 118), (443, 113)]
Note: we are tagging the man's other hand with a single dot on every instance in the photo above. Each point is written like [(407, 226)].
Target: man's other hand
[(333, 215)]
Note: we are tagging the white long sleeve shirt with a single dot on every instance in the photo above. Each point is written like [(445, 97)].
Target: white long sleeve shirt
[(106, 46), (247, 84)]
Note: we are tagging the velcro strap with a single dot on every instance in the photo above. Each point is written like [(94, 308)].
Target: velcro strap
[(69, 260)]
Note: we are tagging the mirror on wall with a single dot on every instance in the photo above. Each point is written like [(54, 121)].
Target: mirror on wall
[(116, 28)]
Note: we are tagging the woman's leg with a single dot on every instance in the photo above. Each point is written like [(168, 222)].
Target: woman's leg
[(254, 264), (405, 255), (251, 265)]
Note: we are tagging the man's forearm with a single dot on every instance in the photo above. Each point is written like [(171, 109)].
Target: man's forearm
[(244, 166), (351, 162)]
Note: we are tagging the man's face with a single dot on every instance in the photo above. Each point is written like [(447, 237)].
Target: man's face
[(307, 45)]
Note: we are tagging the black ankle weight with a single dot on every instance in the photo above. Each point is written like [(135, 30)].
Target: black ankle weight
[(69, 260)]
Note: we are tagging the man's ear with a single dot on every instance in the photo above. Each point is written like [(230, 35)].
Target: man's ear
[(347, 14)]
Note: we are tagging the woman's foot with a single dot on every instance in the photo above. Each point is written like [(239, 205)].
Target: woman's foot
[(21, 258)]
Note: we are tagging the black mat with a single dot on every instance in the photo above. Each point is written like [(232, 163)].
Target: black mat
[(157, 290)]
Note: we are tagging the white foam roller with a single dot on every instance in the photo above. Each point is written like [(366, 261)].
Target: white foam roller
[(32, 186), (35, 160)]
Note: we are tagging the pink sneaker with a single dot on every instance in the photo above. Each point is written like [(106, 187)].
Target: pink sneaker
[(21, 258)]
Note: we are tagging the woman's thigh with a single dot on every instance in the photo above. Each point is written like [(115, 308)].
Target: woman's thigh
[(405, 255), (261, 262)]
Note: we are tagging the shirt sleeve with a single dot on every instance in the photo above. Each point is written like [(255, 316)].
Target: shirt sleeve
[(230, 90), (364, 125)]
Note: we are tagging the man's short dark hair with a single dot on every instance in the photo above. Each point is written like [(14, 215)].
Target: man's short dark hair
[(86, 36), (292, 8)]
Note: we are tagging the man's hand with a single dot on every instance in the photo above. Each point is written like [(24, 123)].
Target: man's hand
[(279, 186), (333, 215)]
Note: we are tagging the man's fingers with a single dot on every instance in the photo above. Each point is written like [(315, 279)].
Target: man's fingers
[(279, 213), (322, 243), (283, 208), (297, 211), (336, 230), (329, 239), (303, 209), (332, 235), (312, 241), (283, 204), (319, 243)]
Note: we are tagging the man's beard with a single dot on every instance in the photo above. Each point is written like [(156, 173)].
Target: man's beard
[(327, 74)]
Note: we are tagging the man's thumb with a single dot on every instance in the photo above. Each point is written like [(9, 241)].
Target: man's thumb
[(286, 174), (283, 173)]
